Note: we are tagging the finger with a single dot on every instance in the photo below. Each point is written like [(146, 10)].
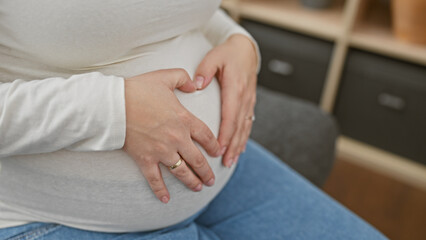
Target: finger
[(232, 151), (204, 136), (246, 124), (243, 138), (249, 124), (240, 139), (185, 175), (232, 92), (247, 132), (195, 159), (246, 136), (177, 78), (152, 173), (229, 118), (206, 70), (235, 146)]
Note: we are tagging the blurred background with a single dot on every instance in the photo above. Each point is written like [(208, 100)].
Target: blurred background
[(364, 63)]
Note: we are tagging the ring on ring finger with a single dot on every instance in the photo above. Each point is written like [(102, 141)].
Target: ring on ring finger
[(177, 164), (181, 171), (251, 118)]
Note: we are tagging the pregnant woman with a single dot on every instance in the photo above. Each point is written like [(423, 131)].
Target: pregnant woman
[(126, 120)]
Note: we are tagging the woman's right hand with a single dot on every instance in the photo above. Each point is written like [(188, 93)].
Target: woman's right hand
[(160, 130)]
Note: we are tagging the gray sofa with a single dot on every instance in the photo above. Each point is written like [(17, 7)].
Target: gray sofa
[(296, 131)]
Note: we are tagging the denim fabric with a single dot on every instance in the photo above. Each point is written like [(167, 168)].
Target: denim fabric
[(264, 199)]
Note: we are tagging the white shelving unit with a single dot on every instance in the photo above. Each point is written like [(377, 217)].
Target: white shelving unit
[(347, 27)]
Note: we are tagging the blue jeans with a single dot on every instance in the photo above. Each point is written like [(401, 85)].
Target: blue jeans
[(264, 199)]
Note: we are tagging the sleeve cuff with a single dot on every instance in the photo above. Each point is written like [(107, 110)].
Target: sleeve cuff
[(102, 114), (118, 122)]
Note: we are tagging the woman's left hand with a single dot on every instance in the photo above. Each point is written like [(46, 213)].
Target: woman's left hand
[(234, 63)]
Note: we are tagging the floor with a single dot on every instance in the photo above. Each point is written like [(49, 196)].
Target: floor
[(398, 210)]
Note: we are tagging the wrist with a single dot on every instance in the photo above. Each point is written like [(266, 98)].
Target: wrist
[(241, 39), (248, 43)]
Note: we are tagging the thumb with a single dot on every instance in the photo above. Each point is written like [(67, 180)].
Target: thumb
[(180, 79), (205, 72)]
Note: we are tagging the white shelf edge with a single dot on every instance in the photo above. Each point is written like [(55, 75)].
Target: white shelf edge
[(378, 160), (252, 11), (300, 27), (401, 51)]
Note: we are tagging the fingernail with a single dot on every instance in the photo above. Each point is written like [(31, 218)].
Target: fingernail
[(219, 153), (165, 199), (223, 150), (235, 160), (229, 162), (198, 187), (210, 182), (199, 81)]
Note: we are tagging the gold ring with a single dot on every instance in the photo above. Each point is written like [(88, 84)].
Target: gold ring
[(251, 118), (176, 164)]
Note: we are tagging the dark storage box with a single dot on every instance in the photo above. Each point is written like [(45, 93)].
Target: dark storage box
[(291, 63), (383, 102)]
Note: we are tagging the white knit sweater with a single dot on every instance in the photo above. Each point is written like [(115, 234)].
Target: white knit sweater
[(62, 108)]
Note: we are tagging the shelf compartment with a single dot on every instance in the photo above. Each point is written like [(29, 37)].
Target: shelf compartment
[(373, 32), (379, 39), (381, 102), (283, 65), (290, 14)]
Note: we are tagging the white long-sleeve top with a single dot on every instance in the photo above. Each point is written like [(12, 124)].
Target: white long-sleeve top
[(62, 108)]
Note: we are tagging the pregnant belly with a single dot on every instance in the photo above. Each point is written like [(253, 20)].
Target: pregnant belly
[(104, 191)]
